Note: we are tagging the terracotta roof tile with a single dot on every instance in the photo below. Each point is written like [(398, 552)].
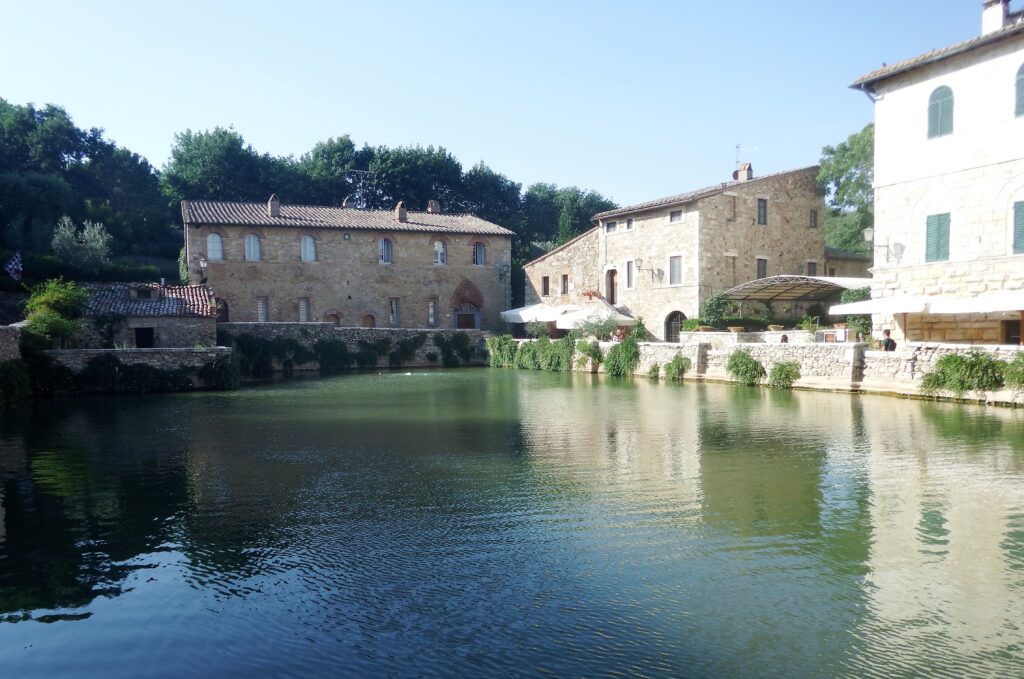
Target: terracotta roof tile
[(217, 213), (169, 300)]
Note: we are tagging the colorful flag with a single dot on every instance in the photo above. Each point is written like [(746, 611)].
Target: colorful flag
[(13, 266)]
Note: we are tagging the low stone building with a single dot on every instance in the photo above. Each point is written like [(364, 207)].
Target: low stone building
[(347, 266), (662, 259), (148, 315)]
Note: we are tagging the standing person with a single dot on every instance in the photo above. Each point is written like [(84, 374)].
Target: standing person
[(888, 343)]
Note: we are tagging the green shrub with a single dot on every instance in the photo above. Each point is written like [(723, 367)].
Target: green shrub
[(454, 348), (502, 350), (677, 367), (960, 373), (654, 371), (182, 267), (63, 297), (691, 324), (46, 376), (406, 349), (588, 351), (857, 323), (622, 358), (527, 357), (536, 329), (745, 368), (784, 374), (432, 356), (102, 373), (557, 356), (51, 328), (714, 310), (639, 330), (221, 373), (1013, 373), (598, 327), (40, 268), (14, 382), (333, 356)]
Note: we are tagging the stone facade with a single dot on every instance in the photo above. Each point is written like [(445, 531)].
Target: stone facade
[(10, 336), (672, 254), (345, 281), (181, 332), (974, 174), (163, 359)]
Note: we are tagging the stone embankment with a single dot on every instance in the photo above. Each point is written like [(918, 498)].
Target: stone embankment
[(162, 359)]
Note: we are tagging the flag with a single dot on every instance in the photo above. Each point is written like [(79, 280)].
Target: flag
[(13, 266)]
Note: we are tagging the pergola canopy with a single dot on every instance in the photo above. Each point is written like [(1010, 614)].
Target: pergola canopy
[(794, 288)]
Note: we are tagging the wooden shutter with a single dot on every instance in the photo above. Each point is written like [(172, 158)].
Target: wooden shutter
[(1020, 91), (1018, 228), (940, 112), (937, 240)]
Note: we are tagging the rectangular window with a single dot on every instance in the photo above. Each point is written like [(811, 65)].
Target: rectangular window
[(610, 227), (812, 268), (303, 309), (629, 225), (675, 216), (675, 270), (393, 311), (262, 309), (1011, 332), (545, 286), (1018, 228), (832, 271), (762, 267), (814, 218), (936, 248), (629, 274), (762, 210), (565, 284), (431, 312)]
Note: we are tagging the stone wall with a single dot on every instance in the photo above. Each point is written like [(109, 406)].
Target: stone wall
[(904, 368), (308, 334), (163, 359), (10, 336), (170, 331), (575, 259), (830, 366)]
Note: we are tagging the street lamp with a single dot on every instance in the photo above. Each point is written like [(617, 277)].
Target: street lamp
[(896, 249)]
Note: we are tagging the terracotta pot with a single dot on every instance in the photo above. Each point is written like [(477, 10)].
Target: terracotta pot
[(736, 328), (776, 328), (705, 328)]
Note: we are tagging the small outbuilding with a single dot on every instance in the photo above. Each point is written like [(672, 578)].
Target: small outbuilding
[(149, 315)]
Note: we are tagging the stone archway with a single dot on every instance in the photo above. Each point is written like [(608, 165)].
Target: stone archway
[(467, 303), (673, 323), (367, 321)]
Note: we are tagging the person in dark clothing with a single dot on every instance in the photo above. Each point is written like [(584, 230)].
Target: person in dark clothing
[(888, 343)]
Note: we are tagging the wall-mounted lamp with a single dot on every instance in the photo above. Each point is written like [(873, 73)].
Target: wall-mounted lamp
[(503, 271), (203, 264), (639, 264), (896, 249)]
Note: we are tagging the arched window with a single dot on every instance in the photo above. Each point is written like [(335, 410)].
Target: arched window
[(384, 250), (940, 112), (252, 247), (367, 321), (308, 249), (479, 254), (673, 322), (1020, 91), (214, 247), (440, 252)]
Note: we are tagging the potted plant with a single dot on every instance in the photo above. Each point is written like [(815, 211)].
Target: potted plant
[(705, 328), (736, 328), (775, 328)]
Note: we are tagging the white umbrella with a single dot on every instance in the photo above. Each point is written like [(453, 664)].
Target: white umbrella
[(544, 313), (597, 312)]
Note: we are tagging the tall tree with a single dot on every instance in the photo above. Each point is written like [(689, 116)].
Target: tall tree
[(492, 196), (846, 175), (216, 165), (415, 175), (328, 169)]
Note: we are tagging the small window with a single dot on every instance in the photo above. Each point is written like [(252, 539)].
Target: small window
[(814, 218), (440, 252), (629, 274), (145, 338), (252, 248), (479, 254), (936, 248), (431, 312), (303, 309), (762, 267), (1018, 228), (762, 211), (1020, 91), (545, 286), (831, 271), (675, 216), (565, 284), (812, 268), (214, 247), (1011, 332), (675, 270), (610, 227), (940, 112), (629, 225), (384, 250), (262, 309), (393, 311), (308, 249)]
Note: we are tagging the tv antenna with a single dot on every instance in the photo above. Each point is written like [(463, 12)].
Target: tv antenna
[(739, 150)]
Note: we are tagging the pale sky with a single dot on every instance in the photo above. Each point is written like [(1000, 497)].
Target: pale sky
[(636, 99)]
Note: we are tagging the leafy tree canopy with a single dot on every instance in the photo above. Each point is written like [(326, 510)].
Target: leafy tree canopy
[(846, 175)]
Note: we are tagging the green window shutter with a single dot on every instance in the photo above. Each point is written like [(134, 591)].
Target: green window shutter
[(1018, 228), (933, 119), (1020, 91), (946, 117), (940, 112), (936, 247), (944, 237), (930, 238)]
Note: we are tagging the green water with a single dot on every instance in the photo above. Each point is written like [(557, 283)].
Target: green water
[(507, 523)]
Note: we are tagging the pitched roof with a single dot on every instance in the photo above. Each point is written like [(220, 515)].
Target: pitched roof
[(167, 300), (216, 213), (691, 196), (1014, 27)]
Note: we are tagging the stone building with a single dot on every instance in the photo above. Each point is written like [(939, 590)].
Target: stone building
[(662, 259), (148, 315), (351, 267), (949, 188)]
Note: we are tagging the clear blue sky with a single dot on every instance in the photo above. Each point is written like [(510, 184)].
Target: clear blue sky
[(635, 99)]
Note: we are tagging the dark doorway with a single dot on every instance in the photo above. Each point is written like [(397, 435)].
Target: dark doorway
[(673, 322), (222, 311), (467, 316), (144, 338), (610, 284), (1011, 332)]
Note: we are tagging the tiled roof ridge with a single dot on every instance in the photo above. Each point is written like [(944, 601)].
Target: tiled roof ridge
[(690, 196), (331, 207), (935, 55)]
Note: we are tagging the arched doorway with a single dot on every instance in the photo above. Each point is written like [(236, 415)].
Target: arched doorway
[(367, 321), (467, 316), (333, 318), (467, 303), (609, 284), (673, 323)]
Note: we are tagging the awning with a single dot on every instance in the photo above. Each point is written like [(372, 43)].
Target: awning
[(538, 312), (597, 310), (902, 304), (993, 302), (793, 288)]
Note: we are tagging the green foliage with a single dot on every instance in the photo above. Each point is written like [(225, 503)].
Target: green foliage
[(107, 326), (54, 308), (677, 367), (221, 373), (960, 373), (406, 349), (767, 314), (107, 373), (46, 376), (588, 351), (183, 276), (52, 329), (654, 371), (370, 352), (537, 329), (622, 358), (334, 357), (691, 324), (39, 268), (714, 310), (458, 347), (527, 358), (1013, 373), (846, 175), (745, 368), (858, 323), (87, 248), (14, 382), (502, 350), (431, 356), (596, 326), (808, 323), (256, 356), (639, 330), (556, 356), (784, 374)]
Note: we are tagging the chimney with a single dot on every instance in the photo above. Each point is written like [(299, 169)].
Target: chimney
[(344, 203), (993, 15), (400, 213), (273, 206), (433, 207), (744, 173)]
